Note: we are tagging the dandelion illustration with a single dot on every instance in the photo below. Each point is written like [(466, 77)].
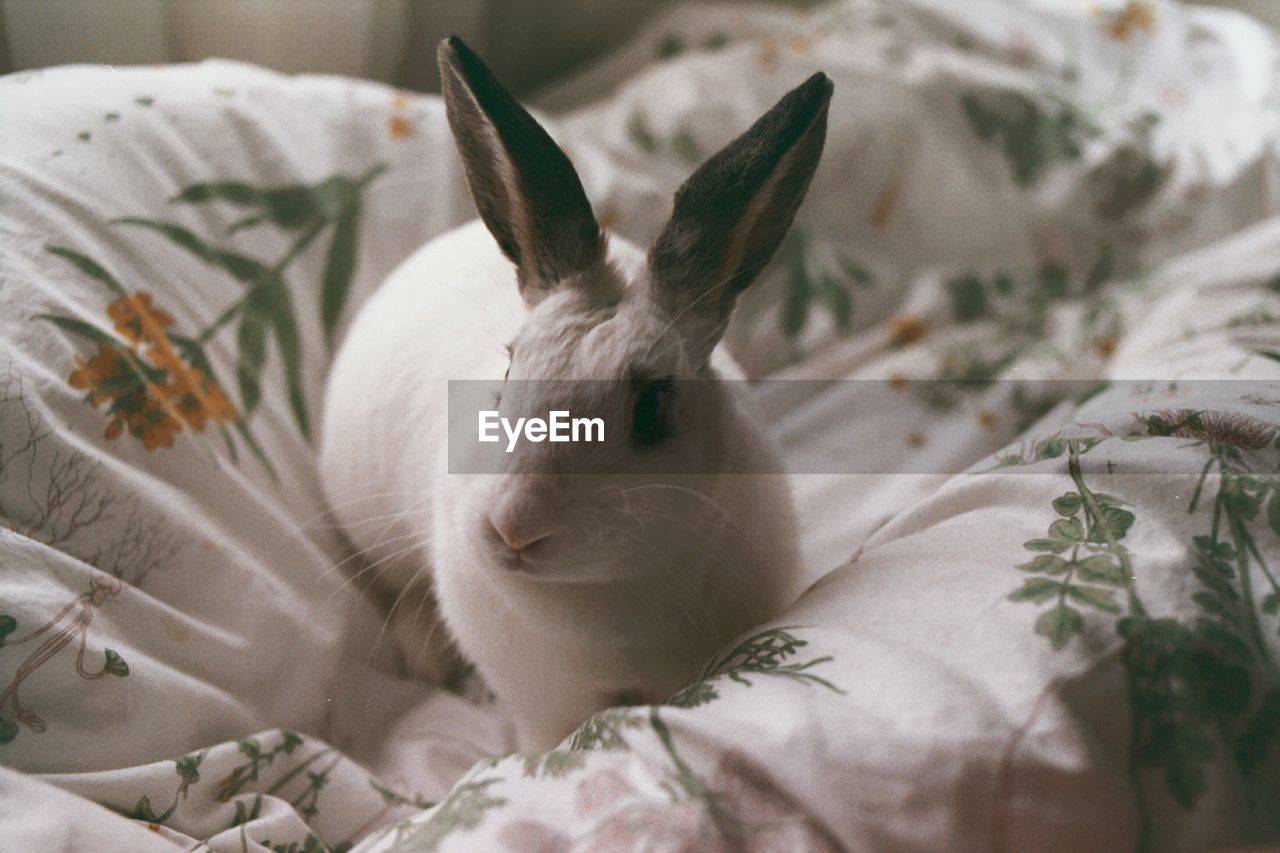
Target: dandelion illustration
[(1214, 427)]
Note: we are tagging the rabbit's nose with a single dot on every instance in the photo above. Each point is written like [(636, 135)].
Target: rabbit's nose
[(516, 537), (518, 526)]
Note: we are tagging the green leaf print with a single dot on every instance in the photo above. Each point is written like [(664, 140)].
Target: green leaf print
[(1020, 317), (463, 810), (810, 281), (286, 331), (389, 796), (1101, 568), (1038, 590), (81, 328), (681, 146), (235, 192), (1193, 683), (554, 764), (340, 268), (668, 46), (240, 267), (1093, 596), (1045, 564), (968, 298), (1059, 624), (695, 695), (188, 772), (291, 207), (640, 134), (1260, 734), (1068, 505), (88, 266), (607, 730), (259, 759), (115, 664), (172, 385), (1032, 136), (768, 653), (251, 341)]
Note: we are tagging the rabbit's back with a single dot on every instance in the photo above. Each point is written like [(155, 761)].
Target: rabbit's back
[(445, 313)]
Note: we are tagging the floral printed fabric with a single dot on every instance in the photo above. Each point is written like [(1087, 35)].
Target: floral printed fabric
[(178, 644), (1071, 646)]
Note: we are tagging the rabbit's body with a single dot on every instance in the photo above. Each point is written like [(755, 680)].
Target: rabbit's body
[(553, 651), (574, 578)]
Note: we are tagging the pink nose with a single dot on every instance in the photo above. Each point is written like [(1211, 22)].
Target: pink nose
[(519, 524), (516, 539)]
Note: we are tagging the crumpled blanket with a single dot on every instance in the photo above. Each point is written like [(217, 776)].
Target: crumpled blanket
[(1041, 621)]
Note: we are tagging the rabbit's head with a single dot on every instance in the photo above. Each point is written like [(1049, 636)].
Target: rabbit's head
[(614, 333)]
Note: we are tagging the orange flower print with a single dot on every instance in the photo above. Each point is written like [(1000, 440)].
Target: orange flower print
[(100, 374), (136, 320), (885, 203), (399, 127), (151, 389), (800, 43), (905, 330), (1132, 16), (197, 397), (768, 55), (151, 423)]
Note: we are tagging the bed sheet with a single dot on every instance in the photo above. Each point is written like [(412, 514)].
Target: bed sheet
[(1072, 643)]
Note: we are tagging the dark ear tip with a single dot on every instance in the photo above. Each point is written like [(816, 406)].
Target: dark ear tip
[(454, 51), (817, 89)]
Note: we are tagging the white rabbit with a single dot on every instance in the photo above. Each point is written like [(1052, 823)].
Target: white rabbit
[(572, 593)]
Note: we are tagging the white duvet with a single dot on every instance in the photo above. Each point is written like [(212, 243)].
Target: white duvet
[(1072, 645)]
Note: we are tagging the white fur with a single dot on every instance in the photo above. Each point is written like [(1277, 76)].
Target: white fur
[(640, 587)]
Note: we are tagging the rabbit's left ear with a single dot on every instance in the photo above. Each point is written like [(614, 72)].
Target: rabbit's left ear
[(733, 212), (523, 185)]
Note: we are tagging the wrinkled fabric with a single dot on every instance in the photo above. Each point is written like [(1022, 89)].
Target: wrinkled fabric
[(1071, 645)]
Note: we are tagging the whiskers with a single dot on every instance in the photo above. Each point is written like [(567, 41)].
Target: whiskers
[(685, 578), (387, 566)]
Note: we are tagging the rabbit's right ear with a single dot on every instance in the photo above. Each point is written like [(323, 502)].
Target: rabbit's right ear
[(523, 185)]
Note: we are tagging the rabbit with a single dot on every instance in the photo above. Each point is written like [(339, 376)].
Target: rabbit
[(570, 594)]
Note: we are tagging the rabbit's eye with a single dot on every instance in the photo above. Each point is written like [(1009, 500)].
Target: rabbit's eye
[(649, 415)]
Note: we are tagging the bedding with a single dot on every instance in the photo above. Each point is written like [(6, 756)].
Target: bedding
[(1043, 620)]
